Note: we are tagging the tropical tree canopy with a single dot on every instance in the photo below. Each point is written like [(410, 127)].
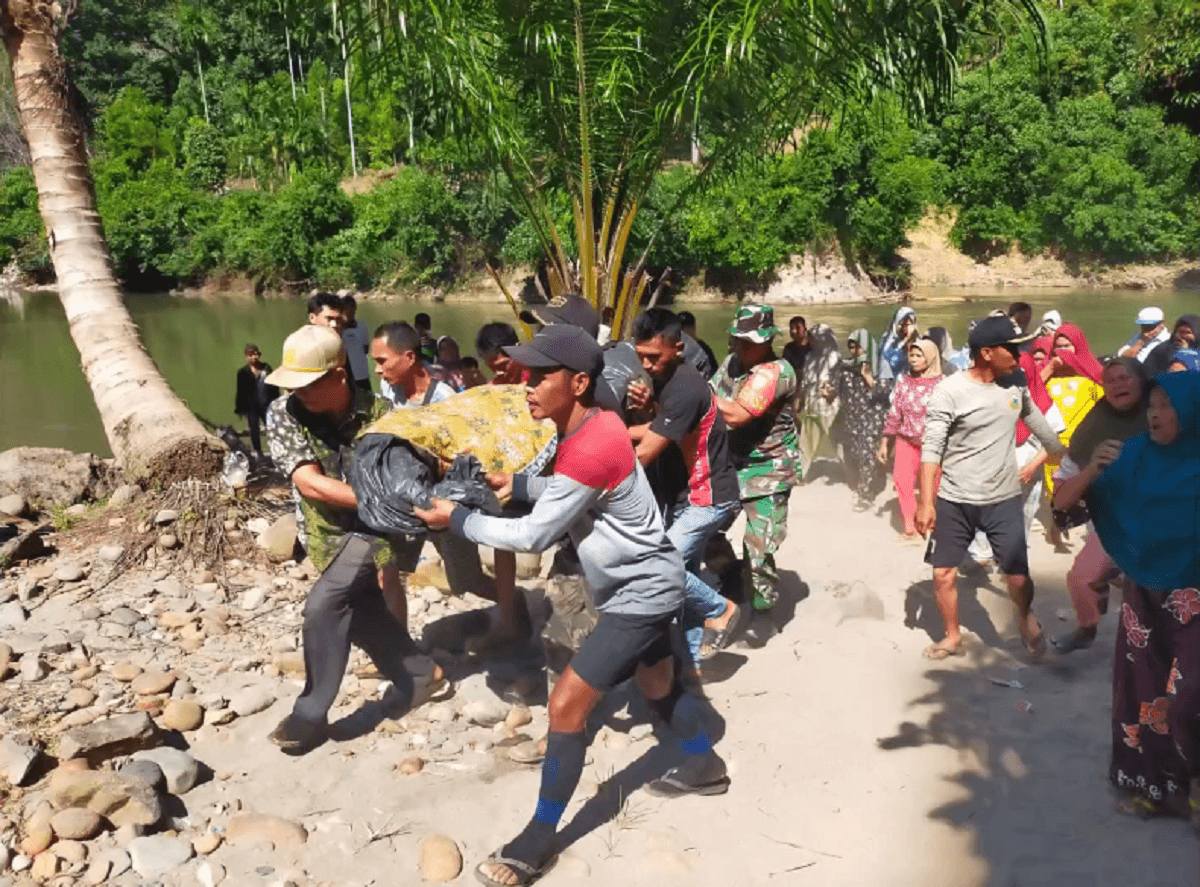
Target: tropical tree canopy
[(594, 96)]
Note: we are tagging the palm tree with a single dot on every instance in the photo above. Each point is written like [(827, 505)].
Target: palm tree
[(153, 435), (593, 96)]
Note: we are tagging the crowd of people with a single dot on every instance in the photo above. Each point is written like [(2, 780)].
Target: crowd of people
[(660, 447)]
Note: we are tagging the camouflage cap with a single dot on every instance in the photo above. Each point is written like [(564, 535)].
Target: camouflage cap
[(755, 323)]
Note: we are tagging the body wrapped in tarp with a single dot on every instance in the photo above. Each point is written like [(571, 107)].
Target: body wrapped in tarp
[(402, 458)]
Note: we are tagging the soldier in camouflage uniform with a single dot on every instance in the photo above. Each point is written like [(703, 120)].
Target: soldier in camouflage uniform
[(311, 432), (756, 391)]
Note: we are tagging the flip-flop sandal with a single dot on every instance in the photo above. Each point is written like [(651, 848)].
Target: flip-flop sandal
[(669, 787), (936, 652), (714, 640), (526, 874), (1069, 643)]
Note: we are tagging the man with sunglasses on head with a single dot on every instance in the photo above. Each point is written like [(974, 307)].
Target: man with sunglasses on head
[(598, 495), (970, 433)]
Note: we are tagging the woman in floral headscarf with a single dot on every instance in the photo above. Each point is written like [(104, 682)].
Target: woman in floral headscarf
[(860, 422), (1073, 380)]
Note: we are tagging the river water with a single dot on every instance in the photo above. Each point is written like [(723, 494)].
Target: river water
[(45, 401)]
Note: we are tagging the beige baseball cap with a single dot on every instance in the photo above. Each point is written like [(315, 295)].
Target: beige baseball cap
[(308, 354)]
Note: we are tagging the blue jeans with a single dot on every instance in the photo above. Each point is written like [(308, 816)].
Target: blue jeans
[(689, 528)]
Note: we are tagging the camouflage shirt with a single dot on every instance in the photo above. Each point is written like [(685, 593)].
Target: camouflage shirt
[(765, 450), (297, 436)]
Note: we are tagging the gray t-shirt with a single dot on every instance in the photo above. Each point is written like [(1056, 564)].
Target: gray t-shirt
[(971, 429)]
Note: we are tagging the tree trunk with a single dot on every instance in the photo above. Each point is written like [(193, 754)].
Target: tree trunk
[(153, 436), (346, 84), (203, 91)]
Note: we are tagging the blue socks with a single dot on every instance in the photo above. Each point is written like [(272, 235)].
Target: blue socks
[(561, 769), (679, 711)]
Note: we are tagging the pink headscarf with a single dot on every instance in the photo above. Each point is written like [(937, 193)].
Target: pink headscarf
[(1037, 390), (1082, 362)]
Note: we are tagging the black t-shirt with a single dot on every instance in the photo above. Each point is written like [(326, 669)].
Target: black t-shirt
[(689, 418), (795, 355)]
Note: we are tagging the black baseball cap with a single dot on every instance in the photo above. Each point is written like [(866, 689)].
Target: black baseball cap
[(560, 345), (573, 310), (993, 332)]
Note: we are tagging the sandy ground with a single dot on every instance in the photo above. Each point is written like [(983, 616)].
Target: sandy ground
[(854, 760)]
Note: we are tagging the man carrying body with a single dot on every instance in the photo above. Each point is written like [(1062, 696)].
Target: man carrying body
[(394, 349), (600, 496), (686, 437), (405, 379), (970, 432), (310, 432), (756, 391)]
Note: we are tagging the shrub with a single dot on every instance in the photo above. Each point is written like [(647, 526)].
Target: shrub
[(22, 234), (298, 217)]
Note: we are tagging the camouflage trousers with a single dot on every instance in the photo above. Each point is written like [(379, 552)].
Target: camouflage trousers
[(766, 528)]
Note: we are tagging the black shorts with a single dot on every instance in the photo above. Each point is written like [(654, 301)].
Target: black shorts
[(619, 644), (1003, 523)]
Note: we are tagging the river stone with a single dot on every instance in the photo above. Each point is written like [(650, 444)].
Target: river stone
[(33, 667), (13, 504), (411, 766), (110, 552), (441, 860), (485, 713), (149, 683), (206, 842), (12, 615), (251, 828), (155, 855), (45, 866), (251, 700), (182, 715), (99, 741), (69, 851), (55, 477), (126, 671), (168, 541), (166, 516), (253, 598), (146, 771), (279, 540), (518, 716), (17, 757), (79, 697), (124, 494), (69, 572), (77, 824), (120, 798), (180, 768), (38, 837), (210, 874), (6, 656)]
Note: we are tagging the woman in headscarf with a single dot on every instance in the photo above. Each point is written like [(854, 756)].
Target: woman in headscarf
[(892, 361), (1185, 360), (905, 424), (816, 416), (1072, 376), (952, 361), (1142, 496), (864, 404), (1120, 415), (450, 363)]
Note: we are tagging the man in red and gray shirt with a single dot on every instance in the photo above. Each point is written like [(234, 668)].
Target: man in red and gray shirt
[(598, 495), (685, 446)]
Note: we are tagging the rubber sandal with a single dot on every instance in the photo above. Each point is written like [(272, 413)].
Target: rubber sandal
[(526, 874), (936, 652), (1138, 807), (668, 786), (1069, 643), (714, 640)]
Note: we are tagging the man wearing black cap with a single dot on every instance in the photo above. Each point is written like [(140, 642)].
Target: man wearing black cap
[(970, 433), (600, 496)]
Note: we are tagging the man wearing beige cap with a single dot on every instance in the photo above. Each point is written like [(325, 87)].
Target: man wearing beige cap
[(311, 431)]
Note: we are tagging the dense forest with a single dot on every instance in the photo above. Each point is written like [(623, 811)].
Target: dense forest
[(245, 138)]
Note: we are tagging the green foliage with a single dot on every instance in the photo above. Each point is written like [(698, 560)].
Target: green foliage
[(132, 131), (22, 235), (301, 215), (204, 156)]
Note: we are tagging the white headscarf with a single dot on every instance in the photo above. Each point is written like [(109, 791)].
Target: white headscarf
[(1051, 321)]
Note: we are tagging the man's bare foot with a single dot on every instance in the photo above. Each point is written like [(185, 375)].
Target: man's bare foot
[(722, 622), (1031, 634)]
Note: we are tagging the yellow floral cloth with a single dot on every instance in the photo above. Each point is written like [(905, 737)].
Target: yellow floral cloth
[(491, 422)]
